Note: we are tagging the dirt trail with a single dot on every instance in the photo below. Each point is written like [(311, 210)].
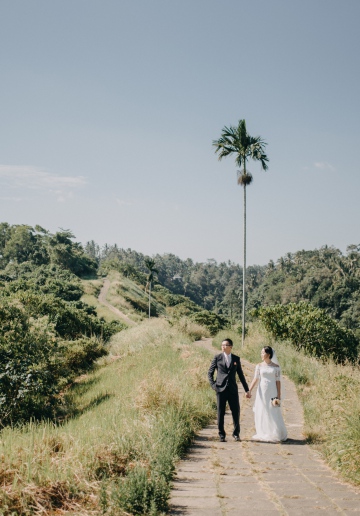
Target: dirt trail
[(258, 479), (102, 299)]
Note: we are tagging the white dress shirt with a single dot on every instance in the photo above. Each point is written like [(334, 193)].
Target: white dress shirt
[(227, 359)]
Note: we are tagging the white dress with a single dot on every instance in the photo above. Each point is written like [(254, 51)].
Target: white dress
[(269, 423)]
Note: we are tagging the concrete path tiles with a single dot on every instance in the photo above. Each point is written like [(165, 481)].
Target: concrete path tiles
[(252, 478)]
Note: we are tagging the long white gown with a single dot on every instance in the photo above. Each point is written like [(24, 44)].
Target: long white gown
[(269, 423)]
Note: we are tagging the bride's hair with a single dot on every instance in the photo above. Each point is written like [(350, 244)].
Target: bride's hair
[(269, 351)]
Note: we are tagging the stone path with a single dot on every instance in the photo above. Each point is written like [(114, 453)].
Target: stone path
[(252, 478)]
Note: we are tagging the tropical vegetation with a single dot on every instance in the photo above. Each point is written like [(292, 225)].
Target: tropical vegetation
[(310, 329), (48, 336)]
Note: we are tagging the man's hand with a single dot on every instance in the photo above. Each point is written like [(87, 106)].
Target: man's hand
[(248, 394)]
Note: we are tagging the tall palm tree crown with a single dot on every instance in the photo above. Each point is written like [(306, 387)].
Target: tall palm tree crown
[(237, 141)]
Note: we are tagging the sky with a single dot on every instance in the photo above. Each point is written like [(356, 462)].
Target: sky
[(109, 108)]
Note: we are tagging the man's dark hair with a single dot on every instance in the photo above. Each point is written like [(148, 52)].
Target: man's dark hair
[(229, 341)]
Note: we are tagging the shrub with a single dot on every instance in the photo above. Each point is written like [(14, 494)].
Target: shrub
[(310, 329), (212, 321), (194, 330), (27, 378), (72, 320), (47, 279), (35, 364), (79, 355)]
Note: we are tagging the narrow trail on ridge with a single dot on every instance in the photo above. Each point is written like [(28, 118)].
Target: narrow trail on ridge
[(254, 478), (102, 299)]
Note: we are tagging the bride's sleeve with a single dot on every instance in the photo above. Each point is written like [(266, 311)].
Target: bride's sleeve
[(257, 372), (278, 374), (279, 378)]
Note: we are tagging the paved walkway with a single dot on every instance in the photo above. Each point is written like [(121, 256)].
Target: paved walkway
[(252, 478)]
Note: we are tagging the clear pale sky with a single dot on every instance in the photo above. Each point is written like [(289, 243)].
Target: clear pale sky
[(108, 111)]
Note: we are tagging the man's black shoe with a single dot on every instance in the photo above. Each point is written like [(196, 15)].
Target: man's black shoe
[(222, 440), (236, 438)]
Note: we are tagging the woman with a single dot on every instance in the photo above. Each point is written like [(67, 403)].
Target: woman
[(269, 423)]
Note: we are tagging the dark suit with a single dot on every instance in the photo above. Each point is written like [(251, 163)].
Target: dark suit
[(226, 389)]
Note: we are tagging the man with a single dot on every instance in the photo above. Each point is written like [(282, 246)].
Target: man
[(227, 365)]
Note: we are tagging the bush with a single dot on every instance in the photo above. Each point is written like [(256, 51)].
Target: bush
[(194, 330), (35, 365), (310, 329), (79, 355), (27, 375), (212, 321), (72, 320), (47, 279)]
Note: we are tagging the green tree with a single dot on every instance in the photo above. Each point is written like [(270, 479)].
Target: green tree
[(20, 246), (150, 265), (236, 140)]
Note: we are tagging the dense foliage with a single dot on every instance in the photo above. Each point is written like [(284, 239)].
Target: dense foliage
[(35, 364), (310, 329), (22, 243), (325, 277), (47, 335)]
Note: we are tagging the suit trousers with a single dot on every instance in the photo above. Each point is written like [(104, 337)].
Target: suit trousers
[(231, 396)]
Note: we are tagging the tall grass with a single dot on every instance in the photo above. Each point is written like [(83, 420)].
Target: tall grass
[(135, 416), (122, 291), (91, 292), (330, 394)]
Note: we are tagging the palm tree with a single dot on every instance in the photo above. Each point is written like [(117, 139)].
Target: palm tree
[(236, 140), (150, 264)]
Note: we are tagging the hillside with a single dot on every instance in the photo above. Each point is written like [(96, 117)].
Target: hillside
[(94, 407), (325, 277)]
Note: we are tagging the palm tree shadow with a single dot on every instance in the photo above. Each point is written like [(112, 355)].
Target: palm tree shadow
[(294, 442), (75, 412), (75, 406), (82, 387)]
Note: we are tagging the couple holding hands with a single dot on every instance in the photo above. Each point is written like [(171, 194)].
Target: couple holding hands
[(269, 423)]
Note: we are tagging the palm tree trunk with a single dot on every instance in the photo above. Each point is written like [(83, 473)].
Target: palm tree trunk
[(244, 272), (150, 300)]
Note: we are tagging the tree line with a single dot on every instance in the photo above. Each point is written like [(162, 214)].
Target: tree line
[(325, 277), (213, 286)]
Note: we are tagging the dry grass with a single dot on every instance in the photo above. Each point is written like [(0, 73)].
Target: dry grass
[(135, 416)]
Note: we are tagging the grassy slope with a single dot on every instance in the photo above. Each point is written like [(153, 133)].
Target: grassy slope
[(91, 292), (330, 394), (135, 415), (120, 289)]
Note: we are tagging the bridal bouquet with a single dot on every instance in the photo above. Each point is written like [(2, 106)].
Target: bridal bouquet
[(275, 402)]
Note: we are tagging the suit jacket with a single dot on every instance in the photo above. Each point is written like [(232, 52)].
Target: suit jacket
[(226, 376)]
